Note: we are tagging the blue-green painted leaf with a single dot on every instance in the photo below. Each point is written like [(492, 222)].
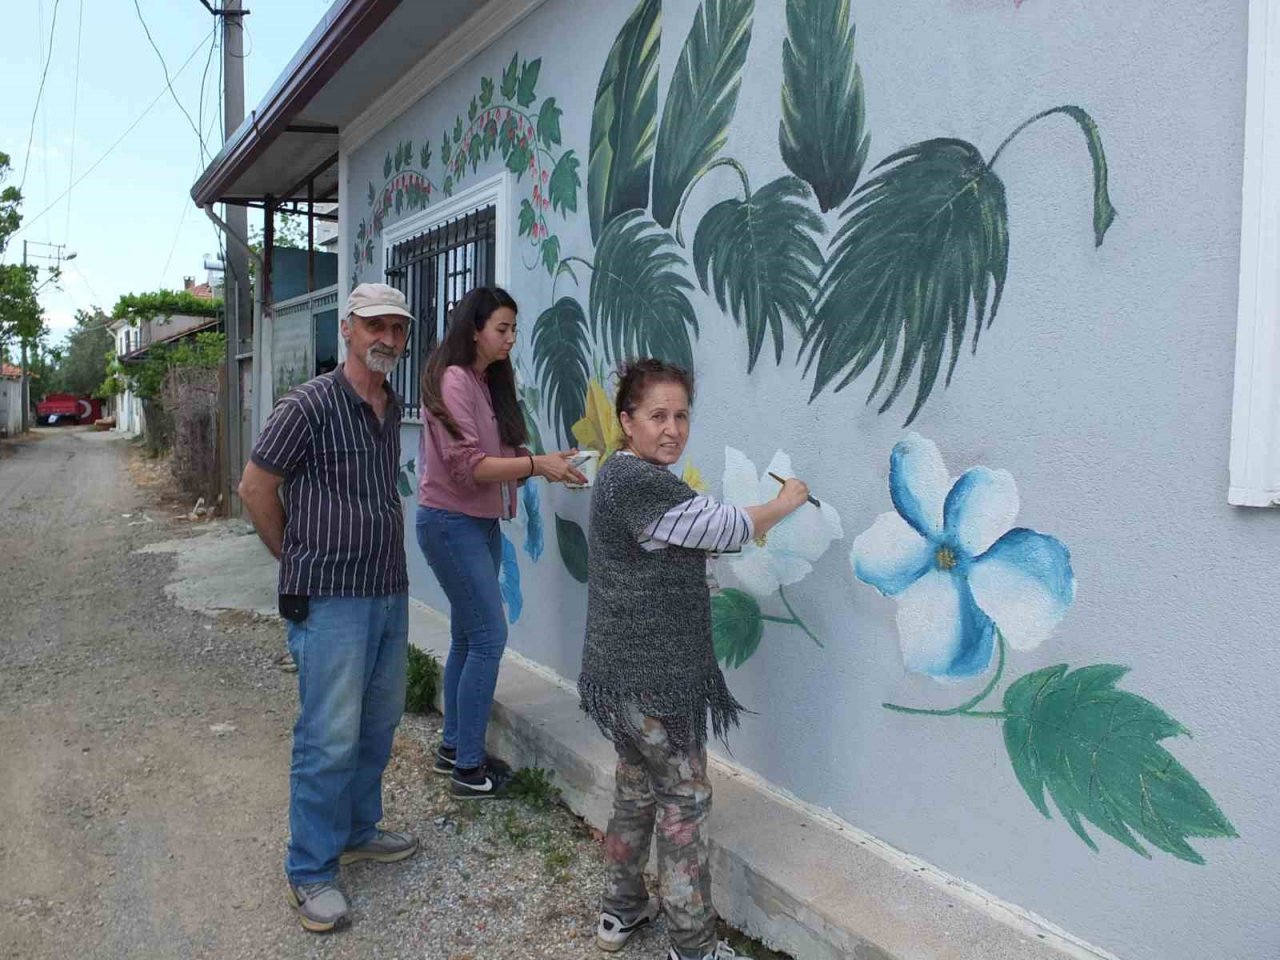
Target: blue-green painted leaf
[(760, 257), (457, 130), (551, 254), (473, 109), (405, 479), (562, 189), (736, 626), (561, 355), (639, 295), (1096, 750), (486, 91), (823, 112), (701, 100), (510, 77), (573, 548), (525, 94), (549, 123), (923, 243), (531, 503), (624, 120), (527, 217)]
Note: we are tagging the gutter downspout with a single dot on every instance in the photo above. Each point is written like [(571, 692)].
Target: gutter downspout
[(260, 311)]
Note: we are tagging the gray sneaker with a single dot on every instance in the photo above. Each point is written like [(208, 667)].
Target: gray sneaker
[(321, 906), (386, 847), (613, 932), (722, 952)]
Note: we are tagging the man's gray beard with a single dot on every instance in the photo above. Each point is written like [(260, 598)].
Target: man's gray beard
[(381, 362)]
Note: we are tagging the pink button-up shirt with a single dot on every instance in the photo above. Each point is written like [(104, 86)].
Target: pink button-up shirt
[(447, 464)]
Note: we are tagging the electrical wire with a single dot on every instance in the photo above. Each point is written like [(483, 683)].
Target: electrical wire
[(165, 67), (44, 73), (28, 221), (75, 110)]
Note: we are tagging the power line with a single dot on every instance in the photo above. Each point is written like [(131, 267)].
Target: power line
[(75, 110), (119, 140), (53, 28), (165, 67)]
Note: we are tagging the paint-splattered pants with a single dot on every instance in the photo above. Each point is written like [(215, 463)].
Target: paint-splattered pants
[(672, 789)]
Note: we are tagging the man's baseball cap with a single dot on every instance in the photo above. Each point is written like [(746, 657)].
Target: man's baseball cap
[(376, 300)]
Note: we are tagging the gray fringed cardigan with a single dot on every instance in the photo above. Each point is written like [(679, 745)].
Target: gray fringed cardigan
[(648, 641)]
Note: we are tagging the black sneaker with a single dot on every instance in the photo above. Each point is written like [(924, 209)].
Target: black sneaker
[(482, 783), (446, 759)]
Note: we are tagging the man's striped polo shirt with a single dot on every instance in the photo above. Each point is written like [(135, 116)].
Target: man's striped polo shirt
[(344, 521)]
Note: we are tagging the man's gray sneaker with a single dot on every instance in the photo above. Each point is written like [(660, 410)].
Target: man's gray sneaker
[(385, 847), (321, 906), (612, 932)]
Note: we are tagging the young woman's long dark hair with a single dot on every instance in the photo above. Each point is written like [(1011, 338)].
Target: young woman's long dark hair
[(458, 348)]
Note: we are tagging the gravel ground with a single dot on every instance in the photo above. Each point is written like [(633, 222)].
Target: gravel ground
[(145, 753)]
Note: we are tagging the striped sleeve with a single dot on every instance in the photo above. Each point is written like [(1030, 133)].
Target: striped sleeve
[(699, 523), (284, 440)]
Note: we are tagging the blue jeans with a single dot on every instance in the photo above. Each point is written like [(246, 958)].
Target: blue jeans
[(351, 654), (465, 554)]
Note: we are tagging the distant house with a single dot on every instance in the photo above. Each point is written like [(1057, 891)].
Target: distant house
[(10, 400), (133, 342)]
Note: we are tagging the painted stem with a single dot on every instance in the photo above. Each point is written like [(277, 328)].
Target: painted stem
[(966, 708), (722, 162), (795, 619)]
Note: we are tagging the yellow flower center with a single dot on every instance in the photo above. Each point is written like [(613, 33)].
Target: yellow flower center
[(946, 559), (761, 540)]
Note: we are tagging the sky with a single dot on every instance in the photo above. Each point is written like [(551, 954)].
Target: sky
[(130, 221)]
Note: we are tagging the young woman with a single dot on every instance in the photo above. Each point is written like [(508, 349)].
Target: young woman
[(472, 458), (649, 671)]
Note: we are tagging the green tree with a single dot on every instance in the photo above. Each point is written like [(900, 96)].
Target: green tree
[(83, 363), (20, 315)]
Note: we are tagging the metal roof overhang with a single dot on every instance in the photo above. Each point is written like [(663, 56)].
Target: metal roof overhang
[(357, 51)]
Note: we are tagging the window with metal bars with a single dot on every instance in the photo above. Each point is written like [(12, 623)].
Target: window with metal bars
[(433, 270)]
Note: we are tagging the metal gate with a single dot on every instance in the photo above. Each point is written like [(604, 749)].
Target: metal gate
[(433, 270)]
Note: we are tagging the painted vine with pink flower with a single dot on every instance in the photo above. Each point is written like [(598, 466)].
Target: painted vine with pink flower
[(505, 118)]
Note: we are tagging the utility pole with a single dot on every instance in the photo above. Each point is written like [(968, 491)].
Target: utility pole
[(236, 293), (57, 257)]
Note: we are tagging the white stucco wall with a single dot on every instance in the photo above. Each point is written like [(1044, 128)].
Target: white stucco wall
[(1104, 388)]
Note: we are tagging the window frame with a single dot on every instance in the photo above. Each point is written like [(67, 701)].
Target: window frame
[(1255, 410)]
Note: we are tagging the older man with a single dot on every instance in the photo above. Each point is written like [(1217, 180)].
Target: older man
[(333, 446)]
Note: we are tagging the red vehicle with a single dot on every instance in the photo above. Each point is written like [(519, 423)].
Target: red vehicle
[(67, 408)]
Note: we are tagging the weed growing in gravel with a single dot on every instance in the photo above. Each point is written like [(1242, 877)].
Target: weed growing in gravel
[(423, 681), (533, 785)]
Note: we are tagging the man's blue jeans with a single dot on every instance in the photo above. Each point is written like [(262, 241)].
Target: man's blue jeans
[(465, 554), (351, 654)]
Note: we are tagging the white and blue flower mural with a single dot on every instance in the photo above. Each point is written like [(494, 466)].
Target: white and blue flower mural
[(969, 584), (960, 574)]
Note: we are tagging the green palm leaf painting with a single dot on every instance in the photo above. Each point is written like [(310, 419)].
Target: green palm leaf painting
[(760, 256), (639, 294), (701, 100), (821, 134), (560, 362), (623, 121), (573, 548), (923, 243), (1097, 752)]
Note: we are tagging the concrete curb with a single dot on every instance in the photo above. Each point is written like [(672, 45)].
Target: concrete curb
[(793, 879)]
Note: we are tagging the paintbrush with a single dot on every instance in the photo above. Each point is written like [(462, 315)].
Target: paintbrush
[(812, 500)]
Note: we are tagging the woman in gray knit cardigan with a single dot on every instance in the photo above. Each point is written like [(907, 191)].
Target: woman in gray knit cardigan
[(649, 672)]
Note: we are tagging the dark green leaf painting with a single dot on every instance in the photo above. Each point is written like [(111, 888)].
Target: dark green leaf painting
[(639, 294), (736, 626), (573, 548), (701, 100), (760, 257), (821, 135), (923, 243), (624, 120), (1097, 752), (560, 352)]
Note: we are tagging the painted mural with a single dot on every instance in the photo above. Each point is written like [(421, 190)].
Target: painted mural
[(500, 120), (970, 587), (877, 273)]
